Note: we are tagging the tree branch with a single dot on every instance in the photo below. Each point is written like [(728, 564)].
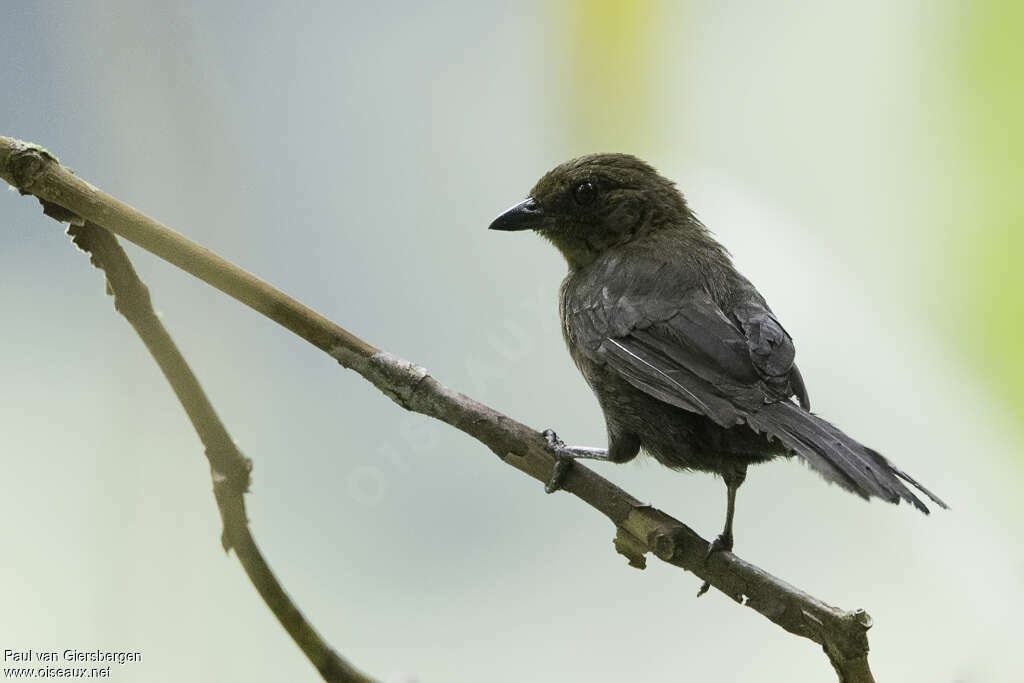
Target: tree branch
[(640, 528), (229, 469)]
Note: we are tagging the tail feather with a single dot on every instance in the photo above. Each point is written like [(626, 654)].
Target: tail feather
[(837, 457)]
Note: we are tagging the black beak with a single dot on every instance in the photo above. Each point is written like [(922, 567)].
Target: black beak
[(526, 215)]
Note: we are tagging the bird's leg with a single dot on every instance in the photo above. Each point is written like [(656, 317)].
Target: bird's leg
[(565, 455), (733, 478)]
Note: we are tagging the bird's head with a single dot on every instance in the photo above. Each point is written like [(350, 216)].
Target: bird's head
[(597, 202)]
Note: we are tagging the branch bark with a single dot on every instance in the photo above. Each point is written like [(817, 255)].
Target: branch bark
[(640, 528), (229, 469)]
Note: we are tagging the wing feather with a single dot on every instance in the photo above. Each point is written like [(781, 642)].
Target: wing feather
[(734, 366)]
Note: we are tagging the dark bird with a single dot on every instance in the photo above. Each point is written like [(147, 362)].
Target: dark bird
[(686, 359)]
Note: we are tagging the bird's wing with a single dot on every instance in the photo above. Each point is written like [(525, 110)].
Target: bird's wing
[(770, 346), (735, 367), (684, 350)]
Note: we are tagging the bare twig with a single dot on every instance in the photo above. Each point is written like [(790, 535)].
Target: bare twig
[(229, 468), (640, 528)]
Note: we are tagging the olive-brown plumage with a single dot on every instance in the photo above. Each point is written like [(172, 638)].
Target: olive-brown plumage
[(685, 357)]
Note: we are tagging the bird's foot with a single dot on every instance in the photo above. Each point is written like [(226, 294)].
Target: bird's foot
[(554, 443), (562, 462), (722, 542), (566, 454)]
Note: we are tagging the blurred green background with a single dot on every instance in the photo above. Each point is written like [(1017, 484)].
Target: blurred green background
[(861, 160)]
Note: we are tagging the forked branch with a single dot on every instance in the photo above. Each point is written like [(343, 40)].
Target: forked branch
[(229, 469), (640, 528)]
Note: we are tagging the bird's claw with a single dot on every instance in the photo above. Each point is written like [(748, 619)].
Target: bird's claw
[(554, 443), (562, 462), (722, 542), (562, 465)]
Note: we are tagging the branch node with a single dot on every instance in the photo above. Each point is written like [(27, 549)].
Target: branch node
[(230, 470), (662, 543), (631, 547), (26, 163), (397, 378), (862, 618)]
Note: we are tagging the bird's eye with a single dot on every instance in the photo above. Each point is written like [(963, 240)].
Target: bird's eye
[(585, 193)]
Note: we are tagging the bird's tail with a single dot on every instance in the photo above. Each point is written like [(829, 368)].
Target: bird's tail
[(837, 457)]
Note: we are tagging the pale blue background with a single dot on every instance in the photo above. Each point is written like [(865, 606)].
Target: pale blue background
[(353, 156)]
